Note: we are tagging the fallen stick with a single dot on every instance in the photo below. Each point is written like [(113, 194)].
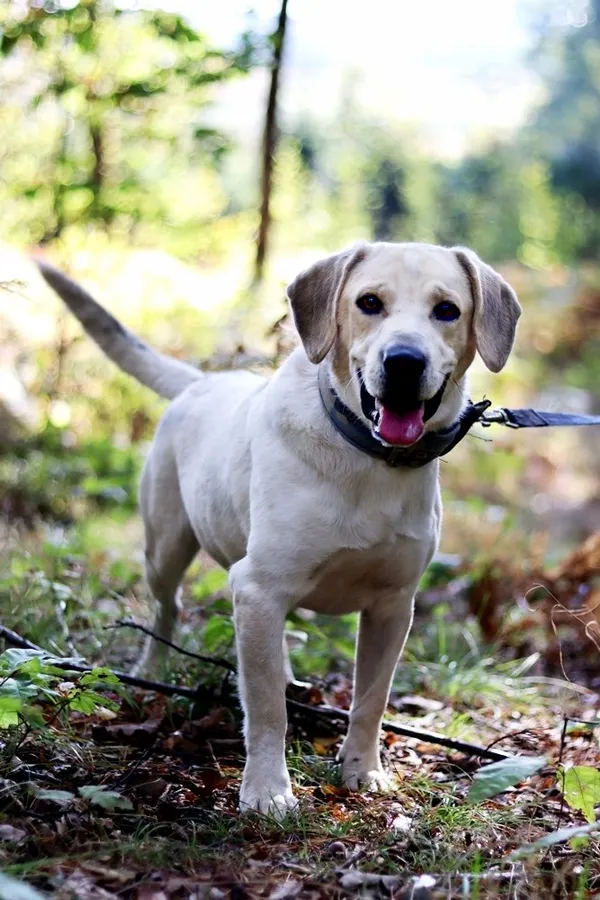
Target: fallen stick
[(328, 712), (428, 737), (11, 637), (214, 660)]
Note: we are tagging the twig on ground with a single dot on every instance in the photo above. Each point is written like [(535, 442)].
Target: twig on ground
[(510, 734), (328, 712), (214, 660), (563, 740), (428, 737), (15, 640)]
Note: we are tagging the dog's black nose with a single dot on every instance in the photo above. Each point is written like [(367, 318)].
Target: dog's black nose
[(403, 363)]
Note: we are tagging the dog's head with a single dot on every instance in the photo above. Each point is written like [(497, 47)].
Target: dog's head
[(403, 323)]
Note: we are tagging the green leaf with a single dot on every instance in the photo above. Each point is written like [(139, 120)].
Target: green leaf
[(108, 800), (31, 661), (580, 786), (55, 796), (9, 711), (88, 701), (579, 842), (497, 777), (209, 583), (33, 716), (218, 632), (13, 688), (555, 837), (99, 674), (14, 658), (31, 666)]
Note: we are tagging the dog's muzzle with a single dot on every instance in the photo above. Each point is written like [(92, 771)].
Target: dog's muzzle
[(399, 414)]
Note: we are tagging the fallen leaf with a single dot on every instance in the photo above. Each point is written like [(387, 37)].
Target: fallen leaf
[(138, 734), (60, 797), (498, 776), (323, 745), (313, 696), (11, 835), (356, 879), (331, 792), (215, 717), (154, 787), (339, 812), (401, 823), (120, 876), (289, 888), (213, 780), (81, 886), (151, 892), (412, 704), (108, 800)]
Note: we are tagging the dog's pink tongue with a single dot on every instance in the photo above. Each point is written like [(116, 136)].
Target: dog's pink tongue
[(401, 428)]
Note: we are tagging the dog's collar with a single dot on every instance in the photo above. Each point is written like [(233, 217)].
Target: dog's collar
[(425, 450)]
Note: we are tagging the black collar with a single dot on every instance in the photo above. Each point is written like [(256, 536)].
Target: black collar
[(428, 448)]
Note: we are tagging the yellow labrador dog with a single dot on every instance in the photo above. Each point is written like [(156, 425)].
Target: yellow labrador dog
[(311, 486)]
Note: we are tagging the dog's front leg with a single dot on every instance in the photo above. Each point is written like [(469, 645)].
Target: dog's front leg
[(381, 637), (259, 626)]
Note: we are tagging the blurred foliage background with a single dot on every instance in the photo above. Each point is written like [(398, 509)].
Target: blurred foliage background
[(115, 163)]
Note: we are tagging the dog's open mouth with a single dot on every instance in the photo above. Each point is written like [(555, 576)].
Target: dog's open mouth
[(398, 427)]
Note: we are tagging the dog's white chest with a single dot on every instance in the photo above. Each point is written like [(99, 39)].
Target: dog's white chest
[(353, 580)]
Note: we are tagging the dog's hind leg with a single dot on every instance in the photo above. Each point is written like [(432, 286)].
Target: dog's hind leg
[(170, 547)]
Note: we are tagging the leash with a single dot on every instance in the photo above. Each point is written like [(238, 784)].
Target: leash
[(534, 418), (434, 444)]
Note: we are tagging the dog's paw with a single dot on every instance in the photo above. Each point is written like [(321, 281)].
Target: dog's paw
[(361, 773), (263, 793), (269, 800)]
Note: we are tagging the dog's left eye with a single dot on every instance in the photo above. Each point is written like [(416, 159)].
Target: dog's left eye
[(369, 304), (446, 311)]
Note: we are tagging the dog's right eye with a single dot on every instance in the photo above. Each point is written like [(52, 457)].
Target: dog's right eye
[(369, 304)]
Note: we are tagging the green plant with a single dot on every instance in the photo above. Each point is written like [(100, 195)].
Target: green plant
[(44, 478), (35, 693), (580, 786)]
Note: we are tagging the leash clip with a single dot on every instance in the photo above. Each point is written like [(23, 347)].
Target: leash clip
[(497, 416)]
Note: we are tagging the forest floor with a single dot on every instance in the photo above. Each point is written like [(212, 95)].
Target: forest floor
[(110, 790)]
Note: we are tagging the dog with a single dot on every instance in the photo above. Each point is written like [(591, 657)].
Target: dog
[(278, 479)]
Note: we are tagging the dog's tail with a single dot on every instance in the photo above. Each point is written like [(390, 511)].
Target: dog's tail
[(167, 376)]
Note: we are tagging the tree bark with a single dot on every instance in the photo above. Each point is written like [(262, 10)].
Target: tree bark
[(269, 145)]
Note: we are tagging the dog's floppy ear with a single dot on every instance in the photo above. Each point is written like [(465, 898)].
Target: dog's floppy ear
[(496, 309), (314, 296)]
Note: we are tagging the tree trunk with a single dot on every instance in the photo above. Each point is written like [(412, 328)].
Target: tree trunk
[(97, 176), (269, 145)]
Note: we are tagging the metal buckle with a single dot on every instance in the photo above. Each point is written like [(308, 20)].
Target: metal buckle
[(498, 416)]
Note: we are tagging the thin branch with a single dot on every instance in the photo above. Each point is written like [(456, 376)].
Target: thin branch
[(510, 734), (15, 640), (131, 623), (428, 737), (563, 740), (328, 712)]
